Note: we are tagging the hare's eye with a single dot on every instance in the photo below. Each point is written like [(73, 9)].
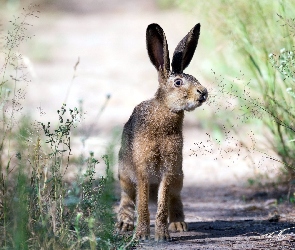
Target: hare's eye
[(177, 82)]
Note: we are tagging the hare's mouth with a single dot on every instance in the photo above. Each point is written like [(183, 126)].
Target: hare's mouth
[(192, 106), (188, 106)]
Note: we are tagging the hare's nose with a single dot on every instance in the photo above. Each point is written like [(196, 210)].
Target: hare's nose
[(204, 94)]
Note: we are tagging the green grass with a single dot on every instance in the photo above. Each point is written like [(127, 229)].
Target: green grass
[(40, 207)]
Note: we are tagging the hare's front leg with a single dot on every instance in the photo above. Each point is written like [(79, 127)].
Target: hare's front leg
[(176, 216), (161, 230), (143, 220), (127, 205)]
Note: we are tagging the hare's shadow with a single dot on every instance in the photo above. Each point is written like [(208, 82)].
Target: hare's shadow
[(228, 229), (217, 229)]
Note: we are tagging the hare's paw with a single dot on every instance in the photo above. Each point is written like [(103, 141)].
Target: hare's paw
[(125, 226), (125, 222), (178, 226), (162, 234), (142, 232)]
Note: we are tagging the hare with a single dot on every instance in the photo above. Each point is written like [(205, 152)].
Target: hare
[(150, 157)]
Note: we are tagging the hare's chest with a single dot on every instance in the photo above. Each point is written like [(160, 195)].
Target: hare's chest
[(154, 174), (155, 149)]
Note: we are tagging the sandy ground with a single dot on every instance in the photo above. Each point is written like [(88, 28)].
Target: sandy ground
[(109, 40)]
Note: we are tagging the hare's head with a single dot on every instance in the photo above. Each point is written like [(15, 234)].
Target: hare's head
[(178, 91)]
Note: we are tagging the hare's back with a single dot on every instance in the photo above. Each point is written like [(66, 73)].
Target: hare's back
[(141, 118)]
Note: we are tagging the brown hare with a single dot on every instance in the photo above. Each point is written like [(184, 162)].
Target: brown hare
[(150, 157)]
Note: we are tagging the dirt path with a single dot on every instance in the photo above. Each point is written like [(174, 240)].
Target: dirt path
[(222, 212), (231, 218)]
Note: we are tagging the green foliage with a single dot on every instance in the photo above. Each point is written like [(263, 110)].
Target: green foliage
[(40, 207), (257, 40), (47, 212)]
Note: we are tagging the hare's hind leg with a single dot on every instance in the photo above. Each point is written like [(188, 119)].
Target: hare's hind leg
[(176, 216), (127, 205)]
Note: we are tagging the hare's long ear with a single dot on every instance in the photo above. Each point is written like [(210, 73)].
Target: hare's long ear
[(185, 50), (157, 47)]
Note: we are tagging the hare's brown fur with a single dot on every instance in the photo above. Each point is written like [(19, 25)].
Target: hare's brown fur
[(150, 158)]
